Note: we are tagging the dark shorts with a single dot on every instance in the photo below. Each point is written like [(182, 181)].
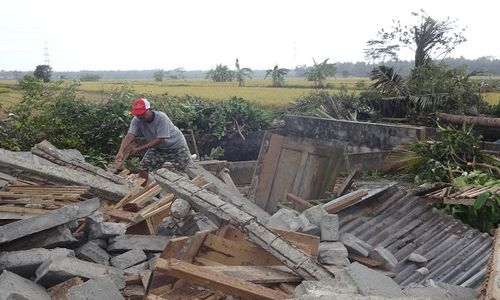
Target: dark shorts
[(154, 159)]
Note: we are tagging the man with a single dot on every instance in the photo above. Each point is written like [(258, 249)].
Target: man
[(165, 142)]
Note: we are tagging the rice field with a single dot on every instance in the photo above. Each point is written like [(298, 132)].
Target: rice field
[(256, 90)]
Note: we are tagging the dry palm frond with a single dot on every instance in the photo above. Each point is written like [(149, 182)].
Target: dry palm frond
[(402, 159)]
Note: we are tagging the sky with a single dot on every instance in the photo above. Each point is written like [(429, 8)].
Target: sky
[(199, 34)]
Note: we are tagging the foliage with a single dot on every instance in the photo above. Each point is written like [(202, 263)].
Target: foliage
[(221, 73), (319, 72), (213, 119), (158, 75), (429, 39), (342, 106), (388, 82), (485, 213), (90, 77), (43, 72), (242, 73), (277, 75), (177, 73)]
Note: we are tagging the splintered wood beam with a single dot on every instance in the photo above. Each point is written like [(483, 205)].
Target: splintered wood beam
[(216, 281), (257, 274), (344, 201), (348, 181)]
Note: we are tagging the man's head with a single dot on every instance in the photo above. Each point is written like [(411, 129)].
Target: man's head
[(141, 108)]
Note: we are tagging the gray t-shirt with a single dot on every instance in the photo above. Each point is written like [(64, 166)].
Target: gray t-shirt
[(160, 127)]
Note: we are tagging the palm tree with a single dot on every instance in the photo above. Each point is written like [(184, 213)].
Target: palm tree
[(242, 73), (277, 75), (319, 72), (221, 73)]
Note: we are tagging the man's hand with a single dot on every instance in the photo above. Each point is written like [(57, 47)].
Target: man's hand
[(119, 156)]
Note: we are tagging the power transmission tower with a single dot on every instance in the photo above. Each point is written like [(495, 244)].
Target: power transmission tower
[(46, 55)]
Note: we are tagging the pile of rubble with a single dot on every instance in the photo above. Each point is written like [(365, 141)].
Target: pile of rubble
[(73, 231)]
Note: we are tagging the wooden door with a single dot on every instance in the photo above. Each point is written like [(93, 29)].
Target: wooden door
[(300, 166)]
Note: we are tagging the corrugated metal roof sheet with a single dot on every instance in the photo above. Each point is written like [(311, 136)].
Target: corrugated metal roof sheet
[(403, 223)]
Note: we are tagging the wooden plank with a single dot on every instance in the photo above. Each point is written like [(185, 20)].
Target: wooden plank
[(344, 201), (174, 246), (144, 228), (121, 215), (258, 274), (23, 210), (228, 252), (369, 262), (493, 279), (306, 242), (216, 281), (60, 291), (348, 181), (195, 244)]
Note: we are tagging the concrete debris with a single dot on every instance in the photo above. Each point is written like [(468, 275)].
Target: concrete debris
[(422, 271), (420, 259), (25, 263), (95, 289), (373, 283), (330, 228), (13, 286), (56, 271), (356, 245), (333, 253), (385, 256), (106, 230), (137, 242), (93, 253), (128, 259)]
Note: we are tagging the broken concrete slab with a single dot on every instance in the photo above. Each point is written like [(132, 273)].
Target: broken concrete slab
[(329, 227), (13, 287), (373, 283), (356, 245), (383, 255), (106, 230), (21, 228), (23, 169), (418, 290), (333, 253), (325, 288), (213, 206), (93, 253), (137, 268), (24, 263), (95, 218), (56, 271), (228, 194), (95, 289), (422, 271), (455, 292), (59, 236), (128, 259), (148, 243), (286, 219), (315, 214)]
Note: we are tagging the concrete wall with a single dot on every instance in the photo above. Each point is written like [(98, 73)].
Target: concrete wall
[(359, 136)]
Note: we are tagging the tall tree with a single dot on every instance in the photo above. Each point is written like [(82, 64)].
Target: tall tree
[(43, 72), (277, 75), (429, 39), (158, 75), (242, 73), (221, 73), (319, 72)]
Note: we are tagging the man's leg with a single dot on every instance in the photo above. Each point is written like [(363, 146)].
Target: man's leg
[(152, 160)]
